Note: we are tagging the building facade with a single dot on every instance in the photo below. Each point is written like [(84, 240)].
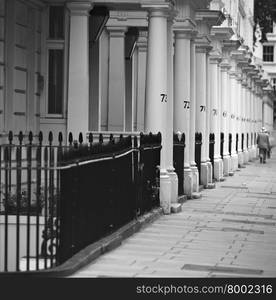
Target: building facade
[(139, 65)]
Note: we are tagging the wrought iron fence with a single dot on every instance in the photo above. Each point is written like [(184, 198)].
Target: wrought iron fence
[(237, 142), (148, 172), (247, 140), (242, 142), (178, 159), (57, 196), (29, 203), (211, 150), (198, 144)]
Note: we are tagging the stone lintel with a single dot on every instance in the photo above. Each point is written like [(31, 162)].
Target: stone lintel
[(222, 33), (210, 17), (230, 45), (128, 18), (185, 24)]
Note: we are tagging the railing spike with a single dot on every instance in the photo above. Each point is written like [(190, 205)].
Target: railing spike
[(20, 137), (80, 138), (70, 138), (60, 137), (31, 137), (101, 138), (50, 138), (10, 136), (90, 138)]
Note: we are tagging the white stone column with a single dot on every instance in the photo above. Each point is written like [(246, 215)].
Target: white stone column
[(252, 146), (170, 112), (239, 119), (201, 97), (225, 115), (246, 123), (116, 81), (195, 175), (210, 185), (254, 120), (214, 112), (141, 45), (182, 100), (78, 69), (232, 119), (157, 92), (243, 100)]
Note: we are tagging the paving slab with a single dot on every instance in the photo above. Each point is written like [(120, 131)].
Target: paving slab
[(229, 232)]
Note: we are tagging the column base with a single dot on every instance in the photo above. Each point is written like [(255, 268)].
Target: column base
[(204, 180), (210, 172), (174, 186), (253, 153), (240, 159), (226, 165), (188, 182), (254, 150), (165, 192), (234, 162), (246, 157), (250, 156), (218, 169), (195, 179)]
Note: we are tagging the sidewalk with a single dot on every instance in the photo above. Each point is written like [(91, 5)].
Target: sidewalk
[(229, 232)]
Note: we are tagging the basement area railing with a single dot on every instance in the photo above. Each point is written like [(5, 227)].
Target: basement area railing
[(58, 196)]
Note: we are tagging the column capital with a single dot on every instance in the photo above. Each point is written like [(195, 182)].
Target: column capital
[(215, 57), (158, 9), (232, 74), (184, 33), (79, 8), (185, 25), (202, 44), (225, 66), (117, 31)]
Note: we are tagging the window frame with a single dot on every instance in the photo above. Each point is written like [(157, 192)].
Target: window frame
[(56, 44), (267, 54)]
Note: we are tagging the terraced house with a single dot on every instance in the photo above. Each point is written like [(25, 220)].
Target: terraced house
[(129, 66)]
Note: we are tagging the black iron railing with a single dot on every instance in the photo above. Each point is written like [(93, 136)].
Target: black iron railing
[(198, 144), (242, 142), (212, 149), (148, 175), (29, 200), (178, 159), (247, 140), (57, 197), (237, 142), (230, 144), (221, 144)]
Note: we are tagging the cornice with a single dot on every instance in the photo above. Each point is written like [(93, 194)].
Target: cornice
[(221, 33), (210, 17)]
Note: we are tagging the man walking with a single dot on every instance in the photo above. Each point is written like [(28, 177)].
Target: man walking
[(263, 145)]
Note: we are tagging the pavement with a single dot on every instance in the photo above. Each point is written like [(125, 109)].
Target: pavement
[(229, 232)]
